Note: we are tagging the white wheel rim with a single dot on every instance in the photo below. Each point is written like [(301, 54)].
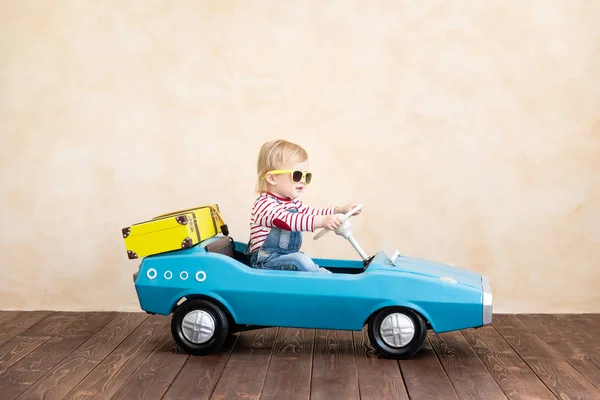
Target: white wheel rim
[(198, 326), (397, 330)]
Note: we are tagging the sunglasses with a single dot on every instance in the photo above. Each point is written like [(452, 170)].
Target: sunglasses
[(297, 176)]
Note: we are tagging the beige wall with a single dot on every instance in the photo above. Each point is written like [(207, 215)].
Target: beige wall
[(471, 134)]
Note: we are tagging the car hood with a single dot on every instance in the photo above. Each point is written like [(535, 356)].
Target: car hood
[(445, 272)]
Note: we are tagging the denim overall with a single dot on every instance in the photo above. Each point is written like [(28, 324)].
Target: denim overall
[(281, 251)]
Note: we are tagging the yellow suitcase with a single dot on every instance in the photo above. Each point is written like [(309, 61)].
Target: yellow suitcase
[(209, 220), (173, 231)]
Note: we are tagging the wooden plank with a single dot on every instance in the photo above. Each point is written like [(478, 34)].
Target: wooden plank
[(54, 325), (579, 322), (88, 323), (556, 373), (594, 319), (6, 316), (108, 377), (199, 376), (17, 348), (378, 377), (289, 373), (509, 323), (591, 321), (421, 370), (66, 374), (20, 323), (583, 357), (583, 328), (36, 364), (334, 367), (571, 322), (512, 374), (155, 374), (470, 378), (245, 372), (548, 324), (26, 372)]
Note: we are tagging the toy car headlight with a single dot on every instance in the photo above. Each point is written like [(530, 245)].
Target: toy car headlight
[(487, 300)]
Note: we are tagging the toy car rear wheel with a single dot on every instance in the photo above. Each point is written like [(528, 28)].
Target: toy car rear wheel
[(199, 326), (397, 332)]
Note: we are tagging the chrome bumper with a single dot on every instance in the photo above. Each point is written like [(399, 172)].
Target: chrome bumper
[(487, 300)]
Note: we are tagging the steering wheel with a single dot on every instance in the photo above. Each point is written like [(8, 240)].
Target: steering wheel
[(325, 231)]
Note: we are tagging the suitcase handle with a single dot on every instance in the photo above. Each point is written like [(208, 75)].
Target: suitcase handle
[(224, 227)]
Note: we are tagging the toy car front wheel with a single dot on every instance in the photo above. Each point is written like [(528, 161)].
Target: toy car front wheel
[(397, 332), (199, 326)]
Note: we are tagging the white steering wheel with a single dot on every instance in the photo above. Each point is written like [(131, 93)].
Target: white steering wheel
[(325, 231)]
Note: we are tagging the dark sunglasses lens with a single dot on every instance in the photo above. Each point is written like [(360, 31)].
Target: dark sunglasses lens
[(297, 176), (308, 177)]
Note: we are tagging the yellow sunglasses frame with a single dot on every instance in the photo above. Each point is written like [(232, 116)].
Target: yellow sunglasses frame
[(291, 172)]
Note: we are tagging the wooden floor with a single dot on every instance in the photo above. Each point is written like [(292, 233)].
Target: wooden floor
[(69, 355)]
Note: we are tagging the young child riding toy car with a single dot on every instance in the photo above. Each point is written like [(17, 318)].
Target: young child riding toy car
[(278, 217)]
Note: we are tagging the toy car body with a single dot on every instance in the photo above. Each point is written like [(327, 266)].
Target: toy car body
[(213, 294)]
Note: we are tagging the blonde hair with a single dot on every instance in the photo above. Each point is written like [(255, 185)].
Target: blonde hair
[(276, 154)]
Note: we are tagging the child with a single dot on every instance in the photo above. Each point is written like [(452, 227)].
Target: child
[(278, 217)]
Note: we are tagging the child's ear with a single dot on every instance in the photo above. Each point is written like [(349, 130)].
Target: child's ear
[(270, 178)]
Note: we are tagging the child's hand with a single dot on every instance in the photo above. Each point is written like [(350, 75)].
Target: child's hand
[(330, 222), (347, 208)]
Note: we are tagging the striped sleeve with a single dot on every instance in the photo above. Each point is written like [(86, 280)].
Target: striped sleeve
[(267, 212), (304, 209)]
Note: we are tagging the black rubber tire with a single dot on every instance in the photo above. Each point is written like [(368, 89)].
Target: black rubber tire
[(221, 327), (403, 352)]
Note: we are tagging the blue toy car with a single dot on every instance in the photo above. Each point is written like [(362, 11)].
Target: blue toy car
[(213, 292)]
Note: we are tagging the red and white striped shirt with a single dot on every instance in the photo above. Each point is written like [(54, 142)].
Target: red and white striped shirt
[(268, 213)]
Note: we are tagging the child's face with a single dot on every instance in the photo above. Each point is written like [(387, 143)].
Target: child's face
[(283, 186)]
